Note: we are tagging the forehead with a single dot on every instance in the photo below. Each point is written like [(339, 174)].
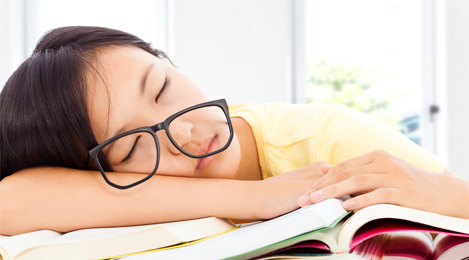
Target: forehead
[(111, 86)]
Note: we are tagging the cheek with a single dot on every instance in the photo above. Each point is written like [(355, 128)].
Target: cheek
[(176, 165), (227, 163)]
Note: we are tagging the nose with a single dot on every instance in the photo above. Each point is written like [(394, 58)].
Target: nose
[(181, 132)]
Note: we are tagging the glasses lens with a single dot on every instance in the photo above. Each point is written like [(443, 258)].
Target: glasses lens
[(201, 132), (133, 153)]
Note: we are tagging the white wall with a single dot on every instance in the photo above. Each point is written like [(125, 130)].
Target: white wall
[(5, 44), (11, 52), (456, 83), (238, 49)]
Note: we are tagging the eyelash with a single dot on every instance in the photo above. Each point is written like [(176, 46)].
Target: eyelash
[(132, 151), (165, 86)]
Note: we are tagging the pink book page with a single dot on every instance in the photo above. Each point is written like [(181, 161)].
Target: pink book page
[(381, 226), (448, 242), (312, 247), (410, 245)]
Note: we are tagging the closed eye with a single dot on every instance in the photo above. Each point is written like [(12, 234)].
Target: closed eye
[(162, 90), (132, 151)]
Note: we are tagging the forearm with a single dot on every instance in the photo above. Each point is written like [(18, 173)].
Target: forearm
[(453, 195), (65, 199)]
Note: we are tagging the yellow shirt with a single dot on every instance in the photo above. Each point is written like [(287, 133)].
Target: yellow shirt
[(293, 136)]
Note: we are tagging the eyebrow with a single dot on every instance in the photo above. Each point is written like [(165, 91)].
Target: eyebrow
[(143, 80)]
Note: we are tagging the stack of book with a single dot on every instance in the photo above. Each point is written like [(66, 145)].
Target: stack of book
[(320, 231)]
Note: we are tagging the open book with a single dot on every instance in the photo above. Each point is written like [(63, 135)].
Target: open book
[(250, 239), (381, 232), (406, 233), (108, 242), (326, 229)]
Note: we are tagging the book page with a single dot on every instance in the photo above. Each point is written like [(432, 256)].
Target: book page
[(408, 219), (252, 237), (450, 247), (11, 246), (315, 257), (108, 242), (186, 230), (391, 226), (410, 244)]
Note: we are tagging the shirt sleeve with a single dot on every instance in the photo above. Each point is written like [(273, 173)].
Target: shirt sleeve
[(345, 133)]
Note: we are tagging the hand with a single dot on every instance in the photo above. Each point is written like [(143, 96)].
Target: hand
[(379, 177), (277, 195)]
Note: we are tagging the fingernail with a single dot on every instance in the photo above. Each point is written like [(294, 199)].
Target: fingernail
[(349, 204), (303, 200), (316, 196)]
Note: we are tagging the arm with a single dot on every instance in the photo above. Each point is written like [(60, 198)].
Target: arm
[(379, 177), (65, 199)]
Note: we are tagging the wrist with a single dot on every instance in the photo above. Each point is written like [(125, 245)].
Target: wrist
[(253, 201), (453, 195), (237, 200), (272, 199), (463, 198)]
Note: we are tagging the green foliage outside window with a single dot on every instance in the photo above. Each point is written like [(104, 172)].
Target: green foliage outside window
[(354, 86)]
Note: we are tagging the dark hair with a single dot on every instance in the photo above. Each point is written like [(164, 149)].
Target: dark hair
[(43, 106)]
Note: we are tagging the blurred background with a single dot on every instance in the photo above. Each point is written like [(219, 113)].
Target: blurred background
[(403, 61)]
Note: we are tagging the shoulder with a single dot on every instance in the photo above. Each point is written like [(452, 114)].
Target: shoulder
[(278, 109), (279, 118), (282, 124)]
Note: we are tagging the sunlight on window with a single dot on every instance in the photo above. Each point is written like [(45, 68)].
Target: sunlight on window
[(367, 54)]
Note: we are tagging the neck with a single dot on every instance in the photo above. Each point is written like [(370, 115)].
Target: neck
[(249, 168)]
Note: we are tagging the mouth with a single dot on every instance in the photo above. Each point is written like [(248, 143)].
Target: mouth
[(211, 145)]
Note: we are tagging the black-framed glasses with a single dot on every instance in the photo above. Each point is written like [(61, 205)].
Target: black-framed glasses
[(198, 131)]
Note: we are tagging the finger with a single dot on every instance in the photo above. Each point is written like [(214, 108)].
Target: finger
[(358, 184), (347, 174), (355, 162), (379, 196), (344, 166), (365, 164), (304, 200), (325, 168)]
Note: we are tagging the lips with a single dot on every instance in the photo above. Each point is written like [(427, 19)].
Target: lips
[(211, 145)]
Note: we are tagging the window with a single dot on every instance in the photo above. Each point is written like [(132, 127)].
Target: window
[(374, 56)]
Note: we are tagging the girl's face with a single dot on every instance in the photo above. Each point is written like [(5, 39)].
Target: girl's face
[(132, 89)]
